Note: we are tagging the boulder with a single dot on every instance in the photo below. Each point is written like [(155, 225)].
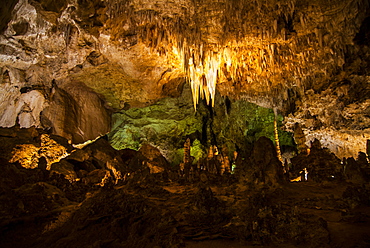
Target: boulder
[(97, 177), (79, 155), (267, 167), (65, 168), (320, 163), (104, 156), (153, 159), (353, 171), (76, 113)]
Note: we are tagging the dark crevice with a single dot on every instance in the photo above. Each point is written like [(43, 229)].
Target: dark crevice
[(6, 9)]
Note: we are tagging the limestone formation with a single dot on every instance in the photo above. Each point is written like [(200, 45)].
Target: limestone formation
[(306, 60)]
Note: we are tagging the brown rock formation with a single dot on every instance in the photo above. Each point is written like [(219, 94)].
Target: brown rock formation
[(305, 58), (72, 69)]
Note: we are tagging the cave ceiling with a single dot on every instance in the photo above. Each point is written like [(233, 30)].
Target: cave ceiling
[(309, 60)]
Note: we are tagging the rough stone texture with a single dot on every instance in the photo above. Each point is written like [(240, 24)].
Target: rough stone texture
[(152, 207), (64, 168), (5, 13), (268, 168), (168, 123), (154, 160), (28, 147), (308, 60), (321, 164), (77, 113), (144, 215), (337, 116), (26, 107)]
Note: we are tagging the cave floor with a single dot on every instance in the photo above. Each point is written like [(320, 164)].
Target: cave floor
[(308, 197), (170, 214)]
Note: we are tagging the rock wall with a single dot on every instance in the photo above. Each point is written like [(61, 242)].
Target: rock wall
[(338, 116), (233, 125), (77, 113), (307, 60)]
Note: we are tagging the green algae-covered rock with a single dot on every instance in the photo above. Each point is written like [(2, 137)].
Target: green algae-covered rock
[(167, 123)]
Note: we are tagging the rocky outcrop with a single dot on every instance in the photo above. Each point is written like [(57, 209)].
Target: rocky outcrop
[(72, 110), (168, 123), (81, 196), (320, 165), (268, 168), (29, 146), (337, 116), (77, 113), (25, 109)]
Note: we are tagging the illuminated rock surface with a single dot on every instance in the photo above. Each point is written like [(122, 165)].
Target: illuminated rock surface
[(98, 196), (309, 61), (167, 124)]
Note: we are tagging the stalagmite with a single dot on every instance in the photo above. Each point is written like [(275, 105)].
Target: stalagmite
[(276, 134), (300, 139)]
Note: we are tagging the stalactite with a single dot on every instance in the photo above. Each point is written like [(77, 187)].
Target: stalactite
[(256, 41)]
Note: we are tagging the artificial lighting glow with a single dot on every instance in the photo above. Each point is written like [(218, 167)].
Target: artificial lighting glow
[(303, 176), (297, 179), (206, 66), (28, 155), (87, 142)]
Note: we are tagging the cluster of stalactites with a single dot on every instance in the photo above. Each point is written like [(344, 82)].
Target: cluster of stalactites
[(245, 41), (240, 62), (202, 70)]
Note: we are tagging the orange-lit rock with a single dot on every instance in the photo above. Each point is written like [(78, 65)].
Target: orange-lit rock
[(308, 60)]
